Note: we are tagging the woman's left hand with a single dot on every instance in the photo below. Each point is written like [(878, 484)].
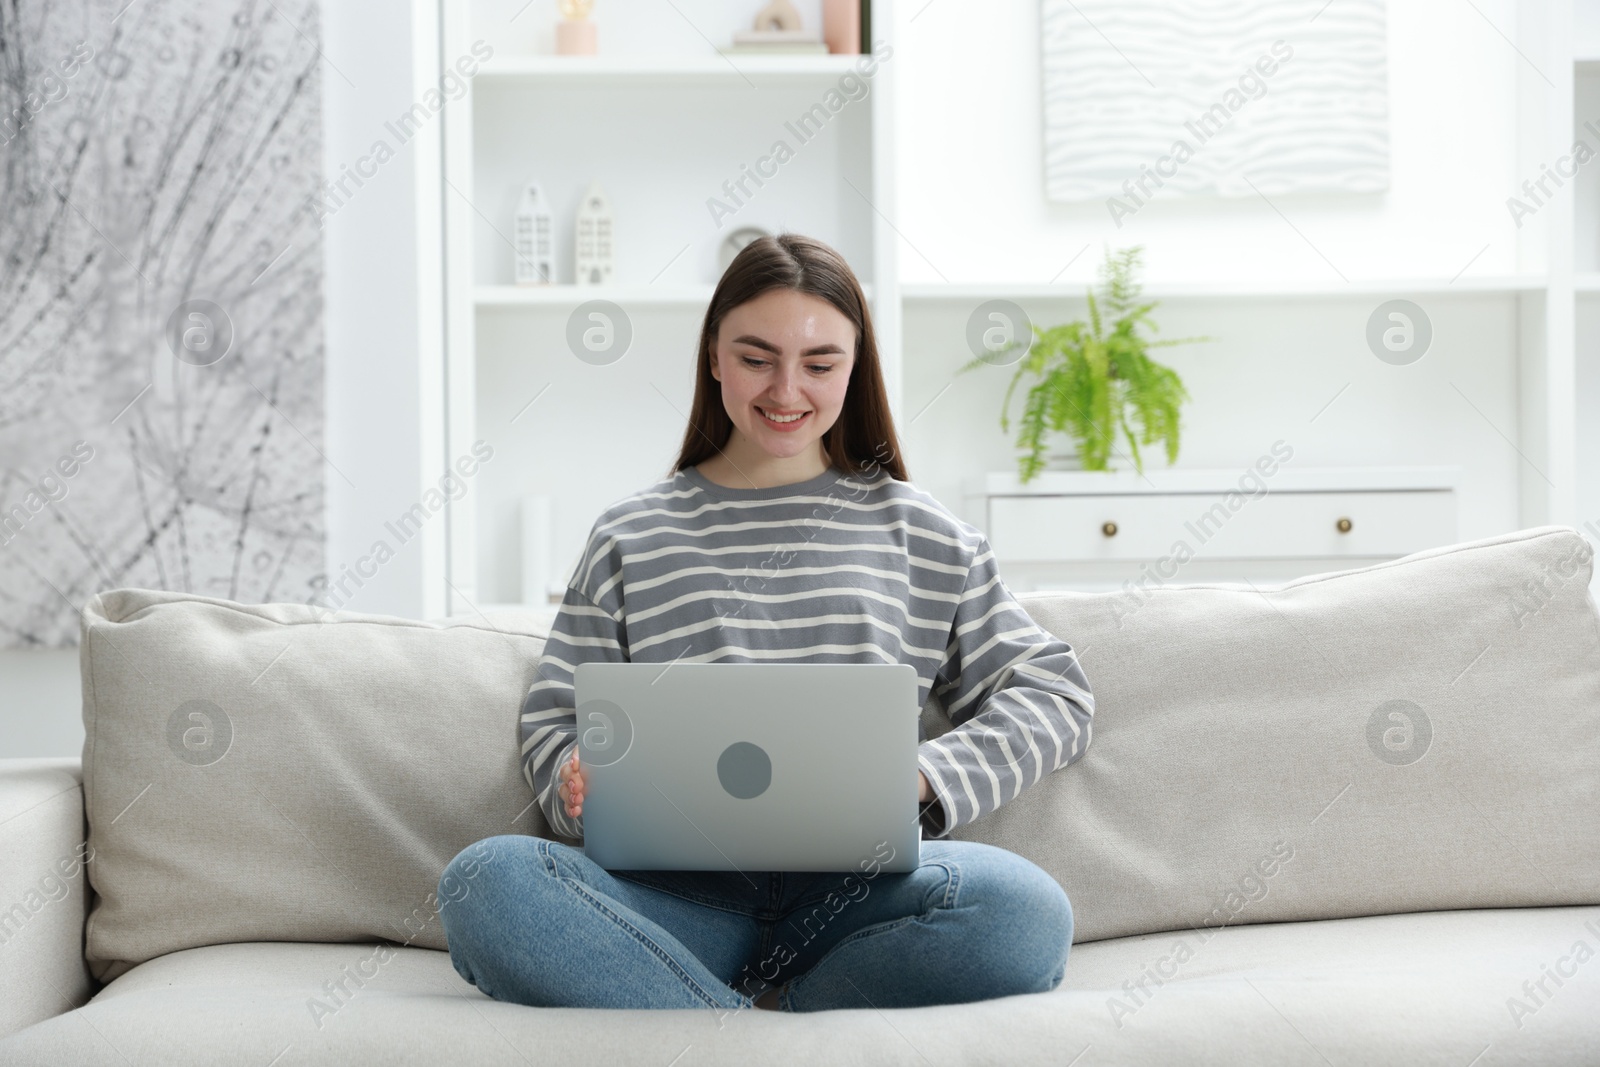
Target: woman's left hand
[(924, 790)]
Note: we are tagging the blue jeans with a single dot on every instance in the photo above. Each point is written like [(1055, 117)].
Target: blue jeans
[(536, 922)]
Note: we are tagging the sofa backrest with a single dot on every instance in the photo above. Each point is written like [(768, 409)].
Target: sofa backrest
[(1421, 734)]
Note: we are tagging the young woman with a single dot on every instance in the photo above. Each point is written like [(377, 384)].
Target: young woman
[(787, 532)]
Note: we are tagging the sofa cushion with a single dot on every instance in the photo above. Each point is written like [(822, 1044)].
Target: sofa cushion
[(1386, 990), (1419, 734), (276, 772)]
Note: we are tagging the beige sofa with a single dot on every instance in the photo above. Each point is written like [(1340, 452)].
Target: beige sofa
[(1351, 820)]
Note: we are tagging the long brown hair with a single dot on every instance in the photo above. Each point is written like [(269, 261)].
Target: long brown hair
[(862, 439)]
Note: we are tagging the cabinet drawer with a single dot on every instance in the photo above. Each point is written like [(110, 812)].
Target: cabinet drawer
[(1280, 524)]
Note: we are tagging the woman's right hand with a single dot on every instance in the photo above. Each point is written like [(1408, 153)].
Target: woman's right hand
[(572, 785)]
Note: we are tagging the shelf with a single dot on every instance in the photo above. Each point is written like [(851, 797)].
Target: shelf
[(933, 291), (570, 296), (737, 69)]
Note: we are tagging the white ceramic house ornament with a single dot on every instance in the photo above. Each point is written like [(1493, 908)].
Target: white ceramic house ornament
[(593, 255), (535, 262)]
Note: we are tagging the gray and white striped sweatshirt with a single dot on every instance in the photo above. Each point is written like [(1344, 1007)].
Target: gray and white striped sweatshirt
[(837, 569)]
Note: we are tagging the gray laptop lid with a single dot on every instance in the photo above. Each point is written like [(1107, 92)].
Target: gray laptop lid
[(749, 766)]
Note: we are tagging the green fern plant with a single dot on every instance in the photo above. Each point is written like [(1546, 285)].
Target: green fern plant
[(1092, 377)]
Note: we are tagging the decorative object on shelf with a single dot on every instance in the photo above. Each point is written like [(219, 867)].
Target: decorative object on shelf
[(1246, 104), (1090, 375), (535, 259), (841, 26), (734, 243), (575, 34), (592, 256), (779, 16), (778, 29)]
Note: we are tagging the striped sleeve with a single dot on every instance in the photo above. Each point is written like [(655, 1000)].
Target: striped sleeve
[(581, 631), (1017, 698)]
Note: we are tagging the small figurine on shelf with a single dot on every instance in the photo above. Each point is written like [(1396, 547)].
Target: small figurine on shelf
[(575, 34), (533, 243), (779, 16), (593, 256), (777, 29)]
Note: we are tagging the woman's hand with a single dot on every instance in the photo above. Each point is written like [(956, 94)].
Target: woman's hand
[(924, 790), (573, 785)]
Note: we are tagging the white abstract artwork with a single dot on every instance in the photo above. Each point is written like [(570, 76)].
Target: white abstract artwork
[(161, 352), (1148, 99)]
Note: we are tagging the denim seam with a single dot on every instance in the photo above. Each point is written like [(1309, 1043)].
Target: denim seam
[(952, 884), (579, 889)]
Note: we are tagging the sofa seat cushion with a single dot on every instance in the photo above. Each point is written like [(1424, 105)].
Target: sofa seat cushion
[(1421, 988)]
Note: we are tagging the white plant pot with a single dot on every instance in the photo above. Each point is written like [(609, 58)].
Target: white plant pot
[(1063, 457)]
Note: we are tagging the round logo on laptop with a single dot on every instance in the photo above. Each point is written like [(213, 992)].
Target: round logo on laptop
[(744, 769)]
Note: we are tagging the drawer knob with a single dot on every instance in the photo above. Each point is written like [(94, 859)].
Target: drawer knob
[(1109, 529), (1344, 525)]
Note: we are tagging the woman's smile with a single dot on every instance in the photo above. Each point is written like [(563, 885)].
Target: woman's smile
[(785, 421)]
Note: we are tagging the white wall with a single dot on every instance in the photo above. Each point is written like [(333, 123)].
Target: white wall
[(972, 206), (40, 707), (384, 361), (1586, 28)]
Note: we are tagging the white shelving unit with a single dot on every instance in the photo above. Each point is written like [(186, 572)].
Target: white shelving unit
[(664, 121)]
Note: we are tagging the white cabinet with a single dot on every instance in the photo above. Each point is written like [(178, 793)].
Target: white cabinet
[(1097, 529)]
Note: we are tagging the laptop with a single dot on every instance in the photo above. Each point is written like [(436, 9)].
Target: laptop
[(749, 766)]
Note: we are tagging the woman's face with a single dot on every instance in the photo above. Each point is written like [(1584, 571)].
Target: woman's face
[(784, 353)]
